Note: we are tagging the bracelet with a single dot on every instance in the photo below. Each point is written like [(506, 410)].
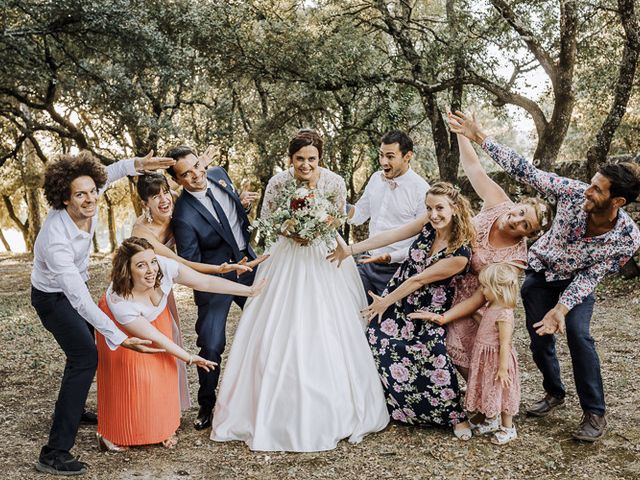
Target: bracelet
[(190, 362)]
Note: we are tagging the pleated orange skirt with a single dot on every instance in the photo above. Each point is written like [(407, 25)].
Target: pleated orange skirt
[(138, 400)]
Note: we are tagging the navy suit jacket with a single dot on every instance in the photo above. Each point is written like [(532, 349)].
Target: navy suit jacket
[(200, 237)]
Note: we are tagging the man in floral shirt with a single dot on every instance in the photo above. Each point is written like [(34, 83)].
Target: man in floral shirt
[(590, 236)]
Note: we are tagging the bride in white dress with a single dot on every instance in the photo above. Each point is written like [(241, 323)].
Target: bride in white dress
[(300, 375)]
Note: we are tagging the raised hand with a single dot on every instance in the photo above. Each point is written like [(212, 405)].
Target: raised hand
[(207, 157), (140, 346), (340, 252), (384, 258), (150, 163), (376, 309), (466, 125), (247, 198), (429, 316)]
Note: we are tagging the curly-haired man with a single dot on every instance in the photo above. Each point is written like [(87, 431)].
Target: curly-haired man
[(60, 295)]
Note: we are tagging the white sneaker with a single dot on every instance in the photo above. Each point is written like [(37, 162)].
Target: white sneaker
[(504, 435), (489, 425)]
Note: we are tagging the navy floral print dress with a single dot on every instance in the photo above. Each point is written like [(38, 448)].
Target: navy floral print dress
[(417, 374)]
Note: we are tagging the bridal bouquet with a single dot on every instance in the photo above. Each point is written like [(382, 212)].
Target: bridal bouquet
[(306, 215)]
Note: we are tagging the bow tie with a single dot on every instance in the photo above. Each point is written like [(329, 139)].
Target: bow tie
[(392, 183)]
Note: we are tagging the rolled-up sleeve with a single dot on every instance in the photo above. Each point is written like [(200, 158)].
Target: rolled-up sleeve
[(60, 262), (362, 208)]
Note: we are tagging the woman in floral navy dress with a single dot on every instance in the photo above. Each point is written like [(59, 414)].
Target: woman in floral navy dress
[(418, 376)]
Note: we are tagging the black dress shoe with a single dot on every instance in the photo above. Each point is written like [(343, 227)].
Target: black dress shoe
[(203, 420), (89, 418), (592, 427), (543, 407), (57, 462)]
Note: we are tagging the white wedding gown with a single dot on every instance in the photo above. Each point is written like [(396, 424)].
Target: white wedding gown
[(300, 375)]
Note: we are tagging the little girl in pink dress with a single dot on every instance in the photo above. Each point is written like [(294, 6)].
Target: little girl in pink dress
[(493, 387)]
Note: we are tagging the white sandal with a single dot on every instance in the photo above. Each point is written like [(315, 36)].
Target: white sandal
[(489, 425), (463, 434), (504, 435)]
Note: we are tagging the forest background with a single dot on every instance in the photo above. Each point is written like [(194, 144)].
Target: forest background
[(555, 79)]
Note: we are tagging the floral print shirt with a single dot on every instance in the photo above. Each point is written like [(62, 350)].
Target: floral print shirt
[(565, 251)]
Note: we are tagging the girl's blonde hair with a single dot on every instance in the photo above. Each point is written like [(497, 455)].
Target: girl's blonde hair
[(463, 232), (502, 280)]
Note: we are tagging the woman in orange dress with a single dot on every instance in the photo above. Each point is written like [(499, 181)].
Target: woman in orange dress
[(138, 394)]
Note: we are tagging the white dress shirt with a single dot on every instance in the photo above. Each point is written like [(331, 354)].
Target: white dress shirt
[(61, 258), (228, 207), (391, 208)]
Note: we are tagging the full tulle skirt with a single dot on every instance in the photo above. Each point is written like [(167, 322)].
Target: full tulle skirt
[(300, 375)]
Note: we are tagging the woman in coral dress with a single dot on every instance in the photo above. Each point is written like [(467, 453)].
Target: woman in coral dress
[(138, 394)]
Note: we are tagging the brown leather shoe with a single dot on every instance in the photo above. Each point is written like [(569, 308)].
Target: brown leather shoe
[(592, 427), (542, 407)]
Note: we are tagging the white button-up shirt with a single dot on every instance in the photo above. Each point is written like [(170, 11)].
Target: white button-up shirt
[(61, 259), (391, 208), (228, 207)]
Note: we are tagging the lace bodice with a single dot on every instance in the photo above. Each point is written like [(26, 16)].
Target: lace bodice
[(327, 183)]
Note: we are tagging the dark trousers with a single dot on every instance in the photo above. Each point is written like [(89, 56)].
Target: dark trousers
[(540, 296), (210, 328), (375, 276), (75, 337)]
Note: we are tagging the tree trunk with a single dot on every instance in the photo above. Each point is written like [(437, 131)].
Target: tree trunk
[(23, 227), (33, 212), (32, 182), (597, 153), (111, 222), (458, 89), (135, 199), (447, 162), (7, 247)]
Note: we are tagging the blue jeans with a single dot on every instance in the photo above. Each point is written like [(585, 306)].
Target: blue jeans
[(539, 296)]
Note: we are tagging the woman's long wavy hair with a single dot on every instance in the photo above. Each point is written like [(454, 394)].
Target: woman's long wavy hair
[(121, 279), (463, 231)]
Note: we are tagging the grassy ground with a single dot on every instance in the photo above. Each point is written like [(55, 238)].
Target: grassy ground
[(31, 366)]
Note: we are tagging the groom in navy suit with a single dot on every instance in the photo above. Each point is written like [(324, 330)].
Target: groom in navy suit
[(210, 225)]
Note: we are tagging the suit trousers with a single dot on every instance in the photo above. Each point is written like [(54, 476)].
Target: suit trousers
[(75, 337), (211, 331), (539, 296), (375, 276)]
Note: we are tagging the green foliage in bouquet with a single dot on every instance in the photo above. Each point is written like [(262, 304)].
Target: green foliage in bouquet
[(303, 214)]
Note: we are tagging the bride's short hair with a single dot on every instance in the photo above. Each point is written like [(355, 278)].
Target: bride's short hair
[(304, 138)]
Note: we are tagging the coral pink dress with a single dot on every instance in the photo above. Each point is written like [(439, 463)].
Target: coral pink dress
[(484, 393), (139, 396), (461, 334)]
